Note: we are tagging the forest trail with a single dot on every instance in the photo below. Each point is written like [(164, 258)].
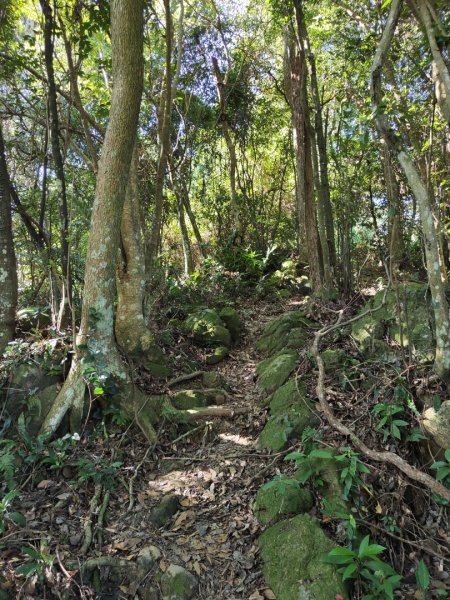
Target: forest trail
[(187, 501), (216, 472)]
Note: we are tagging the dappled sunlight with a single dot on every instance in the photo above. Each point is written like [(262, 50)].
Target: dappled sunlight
[(236, 439)]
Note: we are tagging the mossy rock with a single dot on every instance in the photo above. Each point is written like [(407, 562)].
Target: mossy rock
[(333, 358), (280, 429), (328, 472), (217, 355), (214, 379), (187, 399), (290, 414), (280, 497), (164, 511), (291, 552), (207, 328), (154, 361), (178, 584), (292, 393), (44, 401), (273, 372), (232, 321), (410, 323), (286, 331)]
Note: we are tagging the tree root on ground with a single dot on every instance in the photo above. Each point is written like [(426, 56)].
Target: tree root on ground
[(386, 457)]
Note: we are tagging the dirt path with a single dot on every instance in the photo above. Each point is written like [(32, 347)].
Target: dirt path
[(216, 474), (214, 470)]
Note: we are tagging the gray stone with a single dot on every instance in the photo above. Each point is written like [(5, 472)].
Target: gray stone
[(147, 558), (178, 584), (207, 328)]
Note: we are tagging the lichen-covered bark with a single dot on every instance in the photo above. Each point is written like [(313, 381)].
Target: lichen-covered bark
[(8, 274), (132, 334), (96, 333)]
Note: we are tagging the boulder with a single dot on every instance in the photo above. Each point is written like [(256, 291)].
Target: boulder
[(274, 371), (44, 402), (217, 355), (28, 381), (187, 399), (232, 321), (208, 328), (147, 558), (214, 379), (280, 497), (177, 583), (286, 331), (333, 358), (290, 413), (409, 322), (437, 424), (164, 511), (291, 552)]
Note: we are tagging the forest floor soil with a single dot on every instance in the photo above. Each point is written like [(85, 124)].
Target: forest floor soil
[(215, 470)]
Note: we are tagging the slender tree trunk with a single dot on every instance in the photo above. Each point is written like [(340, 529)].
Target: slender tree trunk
[(165, 119), (440, 71), (8, 272), (57, 159), (231, 146), (323, 189), (193, 220), (96, 335), (421, 193), (395, 213)]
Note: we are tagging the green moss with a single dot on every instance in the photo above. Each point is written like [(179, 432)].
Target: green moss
[(273, 372), (280, 497), (291, 552), (286, 331), (188, 399), (208, 328), (217, 355), (213, 379), (232, 321), (409, 321), (333, 359)]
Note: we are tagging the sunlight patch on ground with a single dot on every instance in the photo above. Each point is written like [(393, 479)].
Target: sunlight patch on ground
[(236, 439)]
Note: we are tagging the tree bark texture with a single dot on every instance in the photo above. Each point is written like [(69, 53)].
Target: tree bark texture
[(8, 272), (57, 156), (421, 193), (132, 334), (97, 320)]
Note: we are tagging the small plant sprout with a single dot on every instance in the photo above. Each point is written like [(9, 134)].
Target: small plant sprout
[(389, 424)]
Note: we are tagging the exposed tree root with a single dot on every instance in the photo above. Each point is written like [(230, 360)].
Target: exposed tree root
[(93, 507), (186, 377), (386, 457), (195, 414)]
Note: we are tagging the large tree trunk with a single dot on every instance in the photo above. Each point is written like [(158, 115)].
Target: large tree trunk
[(96, 336), (132, 334), (302, 129), (58, 161), (419, 189), (8, 273)]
